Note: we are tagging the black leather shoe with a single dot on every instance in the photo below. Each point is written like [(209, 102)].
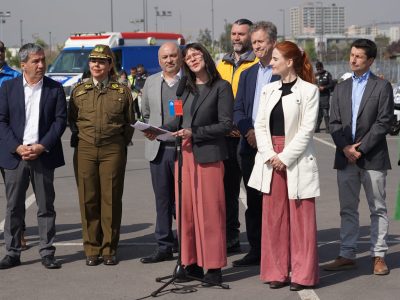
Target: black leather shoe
[(110, 260), (49, 262), (9, 262), (93, 260), (157, 256), (297, 287), (193, 271), (235, 248), (277, 284), (213, 277), (247, 261)]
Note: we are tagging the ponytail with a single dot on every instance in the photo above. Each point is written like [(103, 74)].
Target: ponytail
[(307, 72)]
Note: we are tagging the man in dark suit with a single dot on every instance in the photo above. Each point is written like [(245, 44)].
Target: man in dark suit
[(361, 113), (32, 119), (158, 90), (252, 80)]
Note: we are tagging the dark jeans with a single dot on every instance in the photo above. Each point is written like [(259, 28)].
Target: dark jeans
[(232, 179), (253, 213)]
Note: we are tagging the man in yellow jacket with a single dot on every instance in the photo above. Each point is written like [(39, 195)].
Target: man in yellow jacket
[(230, 67)]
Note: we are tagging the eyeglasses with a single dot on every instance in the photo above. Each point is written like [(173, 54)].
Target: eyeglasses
[(2, 49), (194, 55)]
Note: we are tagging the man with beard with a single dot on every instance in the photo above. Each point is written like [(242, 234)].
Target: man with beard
[(230, 68)]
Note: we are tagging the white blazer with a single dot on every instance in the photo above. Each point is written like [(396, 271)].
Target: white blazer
[(300, 109)]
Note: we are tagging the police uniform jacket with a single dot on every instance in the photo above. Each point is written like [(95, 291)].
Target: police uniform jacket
[(101, 117)]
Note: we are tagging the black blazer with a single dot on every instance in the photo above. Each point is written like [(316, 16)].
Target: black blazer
[(212, 120), (243, 107), (52, 122), (373, 123)]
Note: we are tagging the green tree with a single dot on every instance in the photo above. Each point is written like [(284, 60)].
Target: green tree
[(309, 48), (225, 38), (12, 61), (204, 38)]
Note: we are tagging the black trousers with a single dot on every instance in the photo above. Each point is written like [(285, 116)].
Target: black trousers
[(232, 179), (253, 213), (162, 177), (323, 113)]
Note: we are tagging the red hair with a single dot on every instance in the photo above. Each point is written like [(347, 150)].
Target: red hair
[(301, 63)]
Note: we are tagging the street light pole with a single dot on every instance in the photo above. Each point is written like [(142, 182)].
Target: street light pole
[(145, 28), (112, 17), (20, 32), (283, 21), (321, 42), (157, 14), (212, 23), (50, 43), (3, 15)]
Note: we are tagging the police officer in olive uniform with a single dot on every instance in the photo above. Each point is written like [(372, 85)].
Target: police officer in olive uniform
[(100, 115), (325, 84)]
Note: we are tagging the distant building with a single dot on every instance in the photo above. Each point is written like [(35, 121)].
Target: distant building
[(313, 18), (392, 32)]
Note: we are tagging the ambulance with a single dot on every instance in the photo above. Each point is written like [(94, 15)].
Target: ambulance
[(130, 49)]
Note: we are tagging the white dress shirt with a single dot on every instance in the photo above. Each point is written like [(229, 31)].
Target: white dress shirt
[(32, 108)]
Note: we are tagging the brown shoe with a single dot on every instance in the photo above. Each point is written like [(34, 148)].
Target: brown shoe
[(380, 267), (340, 264)]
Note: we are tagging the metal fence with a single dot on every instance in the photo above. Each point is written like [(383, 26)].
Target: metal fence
[(390, 69)]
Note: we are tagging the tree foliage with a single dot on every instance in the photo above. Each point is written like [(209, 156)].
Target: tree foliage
[(204, 38)]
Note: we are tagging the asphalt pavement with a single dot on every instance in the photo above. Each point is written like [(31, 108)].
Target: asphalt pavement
[(131, 279)]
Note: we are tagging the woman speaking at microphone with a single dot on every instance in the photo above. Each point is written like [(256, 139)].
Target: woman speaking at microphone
[(207, 118)]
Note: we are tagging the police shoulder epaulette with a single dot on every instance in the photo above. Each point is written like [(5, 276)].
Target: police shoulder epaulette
[(81, 92), (88, 86), (115, 86)]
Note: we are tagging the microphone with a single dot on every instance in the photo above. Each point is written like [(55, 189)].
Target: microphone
[(181, 86), (176, 106)]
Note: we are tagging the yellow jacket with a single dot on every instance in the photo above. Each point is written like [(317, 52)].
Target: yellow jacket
[(226, 70)]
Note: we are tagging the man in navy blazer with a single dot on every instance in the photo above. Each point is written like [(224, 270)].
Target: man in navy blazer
[(252, 80), (32, 120)]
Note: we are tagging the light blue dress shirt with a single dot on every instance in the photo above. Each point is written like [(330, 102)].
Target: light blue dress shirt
[(359, 84), (264, 76)]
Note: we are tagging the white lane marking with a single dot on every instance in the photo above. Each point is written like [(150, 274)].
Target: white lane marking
[(243, 195), (35, 241), (325, 142), (28, 202), (308, 295)]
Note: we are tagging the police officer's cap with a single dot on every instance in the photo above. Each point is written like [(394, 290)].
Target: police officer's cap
[(101, 52)]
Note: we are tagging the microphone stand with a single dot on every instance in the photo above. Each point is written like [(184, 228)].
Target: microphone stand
[(179, 271)]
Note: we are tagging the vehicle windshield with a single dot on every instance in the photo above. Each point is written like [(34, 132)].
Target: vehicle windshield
[(71, 61)]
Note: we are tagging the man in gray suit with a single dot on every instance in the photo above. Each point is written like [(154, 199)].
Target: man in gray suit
[(158, 90), (361, 111)]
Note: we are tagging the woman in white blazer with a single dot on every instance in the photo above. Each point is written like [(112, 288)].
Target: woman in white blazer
[(286, 171)]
